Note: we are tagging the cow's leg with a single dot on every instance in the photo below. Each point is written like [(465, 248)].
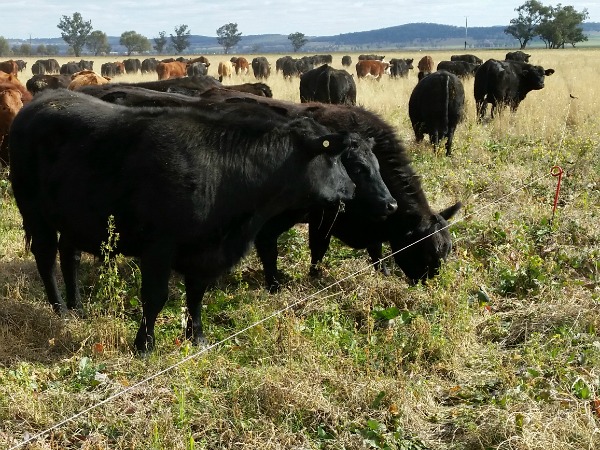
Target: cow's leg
[(70, 259), (155, 267), (44, 245), (419, 135), (319, 237), (376, 253), (194, 292), (481, 106), (449, 141), (266, 246)]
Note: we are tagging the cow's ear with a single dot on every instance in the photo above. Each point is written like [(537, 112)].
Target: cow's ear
[(549, 72)]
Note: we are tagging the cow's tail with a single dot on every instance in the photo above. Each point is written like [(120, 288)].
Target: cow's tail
[(447, 93), (329, 86)]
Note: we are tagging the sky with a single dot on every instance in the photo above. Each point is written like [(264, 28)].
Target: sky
[(38, 18)]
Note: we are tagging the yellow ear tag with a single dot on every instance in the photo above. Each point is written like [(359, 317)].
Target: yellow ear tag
[(325, 143)]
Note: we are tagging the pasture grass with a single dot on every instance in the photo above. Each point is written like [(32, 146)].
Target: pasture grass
[(500, 351)]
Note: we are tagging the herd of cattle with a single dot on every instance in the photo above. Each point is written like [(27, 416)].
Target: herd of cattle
[(193, 172)]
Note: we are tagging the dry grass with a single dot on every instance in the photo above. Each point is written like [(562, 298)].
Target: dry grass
[(500, 351)]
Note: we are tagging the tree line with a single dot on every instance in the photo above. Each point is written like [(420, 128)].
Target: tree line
[(554, 25), (78, 34)]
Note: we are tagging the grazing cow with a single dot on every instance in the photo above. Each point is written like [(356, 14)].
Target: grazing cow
[(371, 58), (192, 201), (45, 66), (461, 69), (289, 68), (467, 58), (400, 67), (132, 65), (196, 68), (436, 106), (21, 65), (346, 60), (149, 65), (305, 64), (86, 78), (224, 70), (9, 67), (319, 60), (425, 66), (70, 68), (280, 62), (13, 96), (327, 85), (517, 56), (506, 83), (109, 69), (372, 68), (39, 83), (261, 68), (173, 69), (414, 221), (242, 67)]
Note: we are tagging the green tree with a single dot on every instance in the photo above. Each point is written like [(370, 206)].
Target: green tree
[(4, 47), (181, 40), (52, 50), (41, 50), (160, 42), (228, 36), (524, 27), (97, 43), (562, 26), (134, 42), (75, 31), (298, 40), (25, 50)]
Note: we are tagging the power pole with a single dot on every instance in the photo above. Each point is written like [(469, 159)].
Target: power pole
[(466, 27)]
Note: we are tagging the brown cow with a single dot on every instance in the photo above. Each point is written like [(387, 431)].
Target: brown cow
[(86, 78), (175, 69), (372, 68), (242, 67), (13, 96), (425, 66), (224, 70), (10, 67)]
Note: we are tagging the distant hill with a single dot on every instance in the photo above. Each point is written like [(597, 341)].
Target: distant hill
[(409, 36)]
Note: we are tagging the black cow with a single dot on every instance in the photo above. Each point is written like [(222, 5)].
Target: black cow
[(517, 56), (322, 59), (261, 68), (346, 60), (461, 69), (21, 64), (289, 67), (279, 63), (506, 83), (39, 83), (132, 65), (305, 64), (70, 68), (467, 58), (399, 67), (436, 106), (358, 226), (197, 68), (327, 85), (149, 65), (45, 66), (86, 65), (108, 69), (191, 201)]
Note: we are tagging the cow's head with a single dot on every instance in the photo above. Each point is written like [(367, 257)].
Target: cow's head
[(429, 244), (534, 76)]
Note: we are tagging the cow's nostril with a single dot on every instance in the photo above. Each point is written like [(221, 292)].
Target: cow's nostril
[(392, 206)]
